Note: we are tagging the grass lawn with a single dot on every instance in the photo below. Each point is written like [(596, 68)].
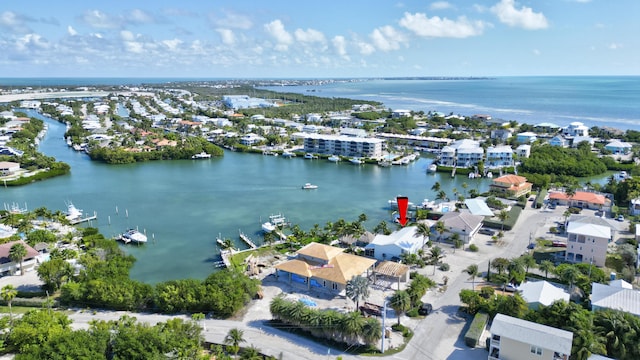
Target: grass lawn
[(16, 309)]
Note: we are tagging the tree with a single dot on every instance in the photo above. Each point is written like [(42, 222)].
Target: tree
[(441, 195), (422, 230), (457, 242), (529, 262), (500, 264), (357, 288), (17, 254), (251, 353), (233, 339), (54, 273), (382, 228), (435, 256), (436, 187), (546, 266), (400, 302), (440, 228), (9, 293), (570, 274), (503, 216), (472, 270)]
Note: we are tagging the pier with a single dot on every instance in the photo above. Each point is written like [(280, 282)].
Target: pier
[(81, 219), (247, 241)]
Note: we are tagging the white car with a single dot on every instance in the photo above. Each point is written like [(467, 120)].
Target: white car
[(511, 288)]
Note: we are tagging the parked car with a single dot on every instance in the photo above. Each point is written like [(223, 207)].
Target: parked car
[(531, 246), (425, 309), (486, 231), (511, 288), (620, 218), (558, 244)]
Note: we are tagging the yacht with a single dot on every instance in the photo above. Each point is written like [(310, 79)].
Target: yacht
[(432, 168), (334, 158), (309, 186), (310, 156), (288, 154), (356, 161), (275, 222), (73, 213), (202, 155), (133, 235)]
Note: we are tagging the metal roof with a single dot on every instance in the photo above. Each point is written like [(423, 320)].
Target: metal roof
[(528, 332)]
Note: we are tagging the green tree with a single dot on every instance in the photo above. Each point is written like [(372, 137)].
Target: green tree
[(472, 271), (422, 230), (233, 339), (8, 293), (54, 273), (457, 242), (400, 302), (503, 216), (357, 288), (17, 254), (500, 264), (546, 266), (435, 256), (440, 228)]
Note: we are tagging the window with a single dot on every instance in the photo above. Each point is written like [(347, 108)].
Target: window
[(536, 350)]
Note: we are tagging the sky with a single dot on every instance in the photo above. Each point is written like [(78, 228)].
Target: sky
[(318, 39)]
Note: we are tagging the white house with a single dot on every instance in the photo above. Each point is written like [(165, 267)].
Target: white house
[(578, 139), (387, 247), (400, 113), (618, 295), (250, 139), (526, 137), (634, 207), (499, 156), (463, 152), (463, 223), (618, 147), (8, 267), (513, 338), (523, 151), (537, 293), (8, 168), (587, 241), (576, 129), (559, 140)]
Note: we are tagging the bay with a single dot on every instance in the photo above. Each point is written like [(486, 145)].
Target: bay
[(183, 205)]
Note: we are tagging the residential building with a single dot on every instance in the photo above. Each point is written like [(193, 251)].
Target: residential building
[(526, 137), (618, 295), (501, 134), (8, 168), (511, 185), (392, 246), (575, 129), (314, 118), (634, 207), (360, 133), (517, 339), (342, 145), (523, 151), (537, 293), (323, 267), (428, 143), (587, 240), (8, 267), (245, 102), (7, 150), (618, 147), (548, 128), (559, 140), (250, 139), (463, 153), (400, 113), (499, 156), (463, 223), (581, 199)]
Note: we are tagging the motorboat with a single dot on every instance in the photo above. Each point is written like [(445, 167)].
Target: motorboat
[(310, 156), (288, 154), (384, 163), (202, 155), (133, 235), (73, 213), (432, 168), (393, 204), (356, 161), (309, 186), (275, 222), (334, 158)]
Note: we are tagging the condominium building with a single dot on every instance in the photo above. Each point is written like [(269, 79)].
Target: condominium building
[(342, 145), (499, 156)]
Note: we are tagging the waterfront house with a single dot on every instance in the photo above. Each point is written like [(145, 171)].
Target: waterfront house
[(429, 143), (559, 140), (463, 223), (342, 145), (501, 135), (618, 147), (392, 246), (537, 293), (396, 114), (523, 151), (9, 168), (499, 156), (545, 127), (314, 118), (526, 137), (618, 295), (511, 185), (8, 267), (323, 267), (513, 338), (463, 153), (581, 199), (588, 238), (7, 150), (251, 139), (575, 129)]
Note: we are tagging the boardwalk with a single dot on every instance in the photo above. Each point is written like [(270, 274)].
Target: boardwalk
[(247, 241)]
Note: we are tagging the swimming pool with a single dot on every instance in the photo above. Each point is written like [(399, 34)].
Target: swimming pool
[(308, 302), (445, 209)]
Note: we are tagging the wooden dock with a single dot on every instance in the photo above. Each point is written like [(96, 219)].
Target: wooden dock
[(248, 241), (84, 219)]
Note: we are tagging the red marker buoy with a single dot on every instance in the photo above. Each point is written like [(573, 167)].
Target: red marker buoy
[(403, 205)]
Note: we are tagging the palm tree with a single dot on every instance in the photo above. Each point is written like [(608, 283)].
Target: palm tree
[(382, 228), (371, 331), (500, 264), (17, 254), (440, 228), (435, 187), (472, 270), (8, 293), (351, 326), (441, 195), (616, 331), (465, 186), (362, 218), (435, 256), (457, 242), (357, 288), (422, 230), (546, 266), (233, 339), (251, 353), (571, 274), (503, 216), (400, 302)]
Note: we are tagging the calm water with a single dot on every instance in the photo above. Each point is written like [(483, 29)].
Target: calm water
[(596, 101), (184, 205)]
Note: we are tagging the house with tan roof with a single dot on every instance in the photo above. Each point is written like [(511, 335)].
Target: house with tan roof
[(323, 267), (511, 186), (9, 267), (581, 199)]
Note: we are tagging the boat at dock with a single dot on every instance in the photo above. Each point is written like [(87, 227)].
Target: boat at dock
[(202, 155), (275, 222), (288, 154), (334, 158), (356, 161), (76, 216), (309, 186), (133, 235), (310, 156), (432, 168)]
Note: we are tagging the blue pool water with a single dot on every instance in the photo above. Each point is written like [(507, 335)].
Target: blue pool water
[(308, 302), (445, 209)]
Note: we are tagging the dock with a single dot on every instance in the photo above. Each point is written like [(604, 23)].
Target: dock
[(247, 241), (83, 219), (225, 258)]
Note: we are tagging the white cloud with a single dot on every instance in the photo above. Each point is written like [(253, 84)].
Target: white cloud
[(365, 48), (280, 34), (227, 36), (129, 42), (172, 44), (13, 21), (127, 35), (140, 17), (31, 41), (524, 17), (71, 31), (232, 20), (615, 46), (387, 38), (340, 45), (309, 36), (440, 5), (424, 26), (98, 19)]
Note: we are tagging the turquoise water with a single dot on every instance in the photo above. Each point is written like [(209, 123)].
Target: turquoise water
[(184, 205)]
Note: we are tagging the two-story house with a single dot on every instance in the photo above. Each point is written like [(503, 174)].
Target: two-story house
[(587, 240), (499, 156), (511, 186)]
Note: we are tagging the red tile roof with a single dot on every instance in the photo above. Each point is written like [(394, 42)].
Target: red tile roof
[(589, 197)]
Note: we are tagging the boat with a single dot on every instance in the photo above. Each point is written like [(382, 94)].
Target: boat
[(432, 168), (489, 175), (355, 161), (309, 186), (334, 158), (133, 235), (73, 213), (310, 156), (393, 204), (275, 222), (202, 155), (288, 154), (384, 163)]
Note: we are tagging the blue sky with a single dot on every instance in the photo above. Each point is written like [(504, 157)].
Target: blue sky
[(318, 39)]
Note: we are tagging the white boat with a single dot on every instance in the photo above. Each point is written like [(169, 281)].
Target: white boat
[(432, 168), (393, 204), (489, 174), (310, 156), (202, 155), (384, 163), (334, 158), (275, 222), (133, 235), (268, 227), (73, 213), (288, 154), (309, 186), (355, 161)]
